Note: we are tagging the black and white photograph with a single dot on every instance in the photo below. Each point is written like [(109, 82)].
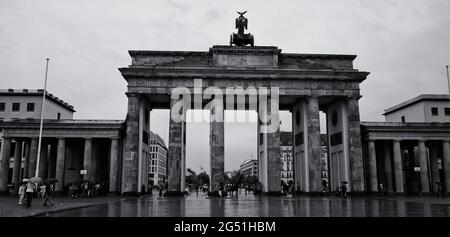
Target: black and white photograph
[(195, 115)]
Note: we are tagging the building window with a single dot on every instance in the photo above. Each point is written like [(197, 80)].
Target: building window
[(403, 119), (58, 116), (30, 107), (16, 107), (2, 106), (447, 111), (434, 111)]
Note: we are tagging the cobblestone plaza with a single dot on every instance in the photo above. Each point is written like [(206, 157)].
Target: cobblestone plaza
[(266, 206)]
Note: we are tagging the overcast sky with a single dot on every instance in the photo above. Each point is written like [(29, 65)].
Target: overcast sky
[(405, 44)]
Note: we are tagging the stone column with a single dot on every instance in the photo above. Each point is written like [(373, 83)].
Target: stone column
[(300, 138), (373, 167), (268, 130), (398, 167), (131, 147), (216, 146), (434, 167), (446, 161), (314, 149), (60, 164), (17, 166), (43, 165), (87, 158), (4, 168), (176, 154), (423, 163), (388, 169), (33, 157), (26, 164), (355, 148), (114, 165)]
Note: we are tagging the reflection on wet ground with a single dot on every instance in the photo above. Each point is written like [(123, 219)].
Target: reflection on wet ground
[(263, 206)]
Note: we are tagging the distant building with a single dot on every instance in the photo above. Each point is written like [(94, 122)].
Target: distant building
[(249, 168), (424, 108), (157, 160), (27, 104), (286, 154), (324, 156)]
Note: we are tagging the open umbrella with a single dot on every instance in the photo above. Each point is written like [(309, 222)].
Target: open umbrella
[(25, 180), (35, 180)]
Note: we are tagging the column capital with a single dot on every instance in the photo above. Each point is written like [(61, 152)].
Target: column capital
[(397, 140), (88, 138), (132, 94), (353, 97)]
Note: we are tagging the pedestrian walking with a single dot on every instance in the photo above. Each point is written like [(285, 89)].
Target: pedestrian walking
[(29, 193), (21, 193), (344, 189), (49, 190)]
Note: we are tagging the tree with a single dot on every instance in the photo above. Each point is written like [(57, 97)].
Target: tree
[(203, 178)]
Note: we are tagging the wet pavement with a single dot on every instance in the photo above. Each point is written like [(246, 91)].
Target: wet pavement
[(266, 206)]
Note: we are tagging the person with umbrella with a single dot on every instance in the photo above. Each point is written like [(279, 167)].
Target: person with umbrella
[(30, 189)]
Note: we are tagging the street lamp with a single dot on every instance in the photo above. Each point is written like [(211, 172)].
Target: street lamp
[(42, 120)]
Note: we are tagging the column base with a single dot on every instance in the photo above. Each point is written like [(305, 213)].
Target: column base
[(174, 194), (272, 193), (129, 194)]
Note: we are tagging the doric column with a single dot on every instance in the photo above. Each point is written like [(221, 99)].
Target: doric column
[(87, 158), (398, 167), (314, 149), (355, 148), (388, 168), (26, 164), (43, 164), (269, 145), (4, 168), (131, 146), (423, 163), (176, 153), (33, 157), (373, 167), (446, 161), (299, 129), (17, 166), (60, 162), (216, 145), (114, 165)]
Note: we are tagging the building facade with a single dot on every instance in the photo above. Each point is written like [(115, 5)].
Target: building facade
[(158, 161), (426, 108), (27, 104), (249, 168), (287, 161)]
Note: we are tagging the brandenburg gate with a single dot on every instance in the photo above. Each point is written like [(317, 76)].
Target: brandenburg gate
[(259, 78)]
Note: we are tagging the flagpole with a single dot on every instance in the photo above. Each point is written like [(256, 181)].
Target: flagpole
[(448, 80), (42, 121)]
